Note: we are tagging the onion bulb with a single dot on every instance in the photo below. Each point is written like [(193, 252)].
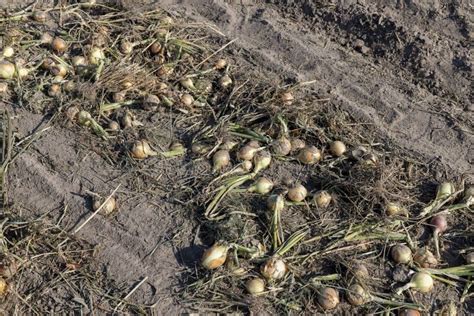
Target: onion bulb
[(439, 226), (187, 99), (109, 206), (78, 61), (8, 52), (215, 256), (150, 102), (444, 190), (70, 86), (470, 258), (356, 295), (287, 98), (58, 45), (220, 160), (309, 155), (420, 281), (360, 271), (46, 38), (273, 269), (255, 286), (155, 48), (322, 199), (337, 148), (394, 209), (297, 144), (220, 64), (425, 258), (188, 83), (141, 150), (409, 312), (203, 86), (119, 97), (281, 147), (262, 186), (40, 16), (328, 298), (225, 81), (84, 118), (72, 112), (58, 70), (7, 69), (261, 161), (126, 47), (297, 193), (247, 152), (276, 203), (96, 55), (228, 144), (3, 286), (114, 126), (401, 254), (199, 149), (54, 90)]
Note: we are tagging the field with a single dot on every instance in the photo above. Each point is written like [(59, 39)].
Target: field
[(198, 81)]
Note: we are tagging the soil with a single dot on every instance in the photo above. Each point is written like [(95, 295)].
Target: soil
[(403, 67)]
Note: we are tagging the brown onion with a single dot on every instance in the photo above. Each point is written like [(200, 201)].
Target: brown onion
[(297, 144), (287, 98), (114, 126), (109, 206), (273, 269), (262, 186), (276, 203), (40, 16), (409, 312), (215, 256), (225, 81), (356, 295), (255, 286), (141, 150), (328, 298), (297, 193), (187, 99), (220, 160), (401, 254), (3, 287), (220, 64), (58, 45), (322, 199), (281, 147), (425, 258), (54, 90), (7, 69), (8, 52), (337, 148), (309, 155), (155, 48)]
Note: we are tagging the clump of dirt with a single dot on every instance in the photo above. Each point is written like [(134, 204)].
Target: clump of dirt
[(196, 92)]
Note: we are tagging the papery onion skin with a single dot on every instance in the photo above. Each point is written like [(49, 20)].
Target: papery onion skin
[(274, 269), (401, 254), (356, 295), (215, 256), (297, 193), (337, 148), (255, 286), (328, 298)]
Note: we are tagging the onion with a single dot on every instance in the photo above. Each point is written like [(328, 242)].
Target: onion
[(297, 144), (261, 161), (114, 126), (72, 112), (155, 48), (8, 52), (54, 90), (254, 144), (470, 258), (199, 149), (59, 70), (445, 189), (220, 64), (394, 209), (262, 186), (255, 286), (297, 193), (273, 269), (47, 63), (281, 147), (309, 155), (425, 258), (356, 295), (126, 47), (287, 98), (96, 55), (360, 271), (328, 298), (322, 199), (188, 84), (70, 86), (109, 206), (79, 61), (3, 286), (165, 70), (246, 165), (58, 45), (409, 312), (215, 256), (276, 203), (46, 38), (7, 69), (401, 254), (228, 144), (23, 72), (119, 97), (440, 225), (141, 150), (420, 281), (337, 148), (234, 268), (187, 99), (225, 81), (220, 160), (3, 87), (84, 118), (247, 152), (150, 102), (203, 86), (40, 16)]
